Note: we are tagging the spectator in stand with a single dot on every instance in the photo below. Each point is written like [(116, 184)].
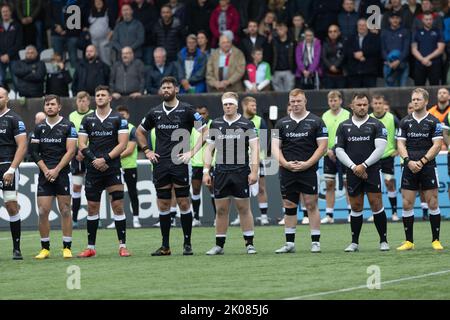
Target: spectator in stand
[(62, 36), (412, 10), (128, 33), (395, 7), (10, 41), (363, 57), (101, 24), (203, 43), (254, 40), (307, 56), (198, 14), (226, 67), (428, 47), (30, 13), (267, 26), (395, 46), (361, 7), (58, 78), (127, 76), (297, 31), (283, 62), (279, 8), (178, 11), (161, 68), (30, 74), (90, 73), (427, 6), (224, 17), (147, 14), (324, 13), (249, 10), (333, 57), (258, 74), (169, 33), (302, 7), (191, 67), (347, 20)]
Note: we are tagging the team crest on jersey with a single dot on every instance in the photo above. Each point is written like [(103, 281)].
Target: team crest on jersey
[(73, 131), (384, 132), (124, 122), (324, 130), (197, 116), (21, 126)]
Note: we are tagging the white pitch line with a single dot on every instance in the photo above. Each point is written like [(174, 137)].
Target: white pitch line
[(25, 236), (365, 286)]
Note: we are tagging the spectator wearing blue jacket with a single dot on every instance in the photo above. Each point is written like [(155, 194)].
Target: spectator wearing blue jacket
[(347, 20), (191, 67), (395, 46), (158, 70)]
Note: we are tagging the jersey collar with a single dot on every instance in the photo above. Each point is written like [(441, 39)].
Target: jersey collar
[(7, 110), (53, 125), (298, 119), (359, 123), (169, 111), (102, 119), (233, 121), (419, 120)]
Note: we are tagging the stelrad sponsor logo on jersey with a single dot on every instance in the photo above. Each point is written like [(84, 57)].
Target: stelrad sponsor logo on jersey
[(101, 133), (229, 136), (51, 140), (2, 130), (360, 138), (297, 134), (168, 126), (418, 135)]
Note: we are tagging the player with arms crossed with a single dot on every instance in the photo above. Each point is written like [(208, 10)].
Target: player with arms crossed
[(13, 146), (419, 142), (107, 134), (53, 145), (298, 144), (360, 143), (232, 136)]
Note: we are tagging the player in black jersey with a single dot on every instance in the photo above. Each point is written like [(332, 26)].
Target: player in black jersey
[(13, 147), (360, 143), (53, 145), (173, 121), (298, 143), (419, 141), (107, 134), (235, 140)]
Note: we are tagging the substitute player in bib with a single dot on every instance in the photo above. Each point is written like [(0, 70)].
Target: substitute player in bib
[(13, 147), (107, 134), (331, 165), (53, 145), (77, 165), (391, 124), (197, 169), (360, 143), (298, 143), (419, 142), (173, 121), (237, 160)]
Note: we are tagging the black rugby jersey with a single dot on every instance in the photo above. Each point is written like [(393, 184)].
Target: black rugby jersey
[(11, 126), (103, 134), (359, 142), (298, 141), (419, 135), (231, 140), (166, 121), (52, 140)]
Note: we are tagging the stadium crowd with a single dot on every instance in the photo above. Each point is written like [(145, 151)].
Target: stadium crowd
[(217, 46)]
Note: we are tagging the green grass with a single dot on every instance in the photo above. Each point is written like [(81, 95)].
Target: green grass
[(234, 275)]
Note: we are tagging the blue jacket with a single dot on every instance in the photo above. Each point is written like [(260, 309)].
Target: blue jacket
[(399, 39), (154, 76), (198, 75)]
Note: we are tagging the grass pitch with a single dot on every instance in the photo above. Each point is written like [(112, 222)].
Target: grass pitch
[(234, 275)]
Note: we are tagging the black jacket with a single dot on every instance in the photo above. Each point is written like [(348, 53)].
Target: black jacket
[(247, 46), (11, 40), (30, 77), (147, 15), (170, 37), (58, 83), (332, 54), (371, 49), (198, 17), (90, 75)]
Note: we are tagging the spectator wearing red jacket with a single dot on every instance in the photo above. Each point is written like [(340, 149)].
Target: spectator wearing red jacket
[(224, 17)]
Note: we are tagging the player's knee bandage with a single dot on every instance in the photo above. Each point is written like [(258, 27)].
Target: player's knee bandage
[(9, 196), (116, 195), (292, 197), (164, 194), (388, 176), (78, 180), (182, 192), (290, 211)]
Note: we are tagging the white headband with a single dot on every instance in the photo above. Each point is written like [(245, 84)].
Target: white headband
[(230, 100)]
